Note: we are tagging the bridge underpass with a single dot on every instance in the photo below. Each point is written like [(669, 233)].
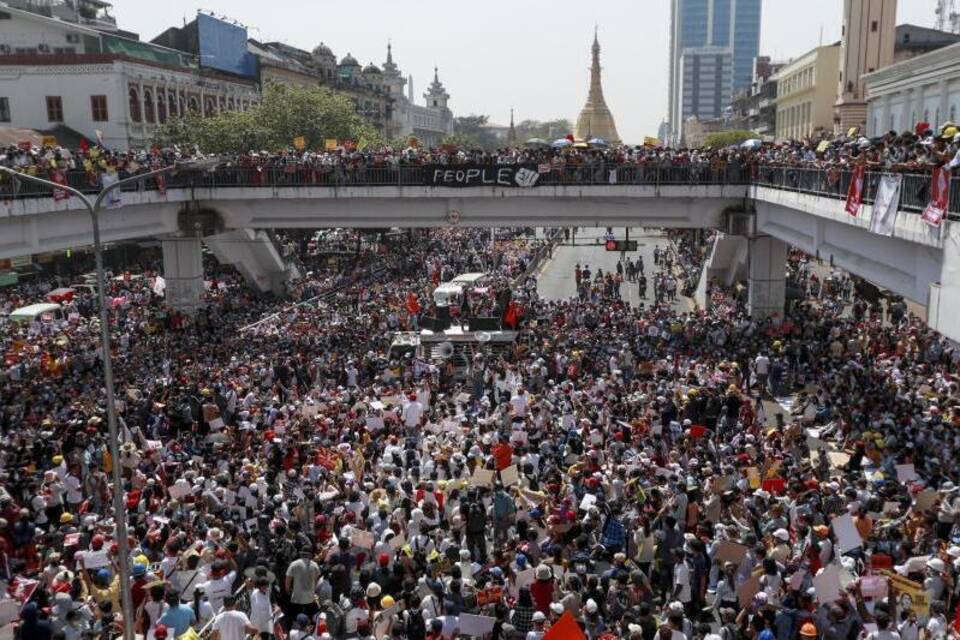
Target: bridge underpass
[(918, 262)]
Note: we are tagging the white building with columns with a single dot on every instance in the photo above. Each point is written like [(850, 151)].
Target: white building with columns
[(56, 73), (921, 89)]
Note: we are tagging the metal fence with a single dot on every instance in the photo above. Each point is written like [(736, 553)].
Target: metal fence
[(914, 194), (914, 191)]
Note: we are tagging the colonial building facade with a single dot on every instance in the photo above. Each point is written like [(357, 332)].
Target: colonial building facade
[(103, 85)]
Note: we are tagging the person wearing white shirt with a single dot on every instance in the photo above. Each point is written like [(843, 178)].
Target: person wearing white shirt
[(231, 624), (261, 609), (412, 413)]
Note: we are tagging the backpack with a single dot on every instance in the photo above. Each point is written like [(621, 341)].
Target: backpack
[(415, 627), (335, 617), (476, 519)]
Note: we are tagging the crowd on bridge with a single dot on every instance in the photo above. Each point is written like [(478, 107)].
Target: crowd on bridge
[(917, 151), (619, 472)]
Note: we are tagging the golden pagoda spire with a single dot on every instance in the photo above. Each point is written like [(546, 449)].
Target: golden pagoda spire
[(595, 120)]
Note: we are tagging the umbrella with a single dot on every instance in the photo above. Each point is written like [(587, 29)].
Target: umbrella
[(752, 143), (537, 142), (598, 142), (561, 142)]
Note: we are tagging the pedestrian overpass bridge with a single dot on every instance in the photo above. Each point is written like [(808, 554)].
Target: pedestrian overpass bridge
[(229, 209)]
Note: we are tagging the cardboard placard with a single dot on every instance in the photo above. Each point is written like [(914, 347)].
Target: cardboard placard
[(397, 541), (374, 423), (363, 539), (216, 424), (482, 477), (747, 590), (728, 551), (210, 411), (510, 476), (838, 459), (926, 499)]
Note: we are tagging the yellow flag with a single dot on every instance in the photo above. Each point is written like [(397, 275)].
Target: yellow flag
[(330, 144), (300, 143), (189, 634)]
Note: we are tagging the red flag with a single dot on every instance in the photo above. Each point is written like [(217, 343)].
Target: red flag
[(698, 431), (776, 486), (161, 183), (59, 178), (413, 304), (855, 192), (84, 145), (566, 628), (939, 194), (503, 455), (21, 589), (569, 137)]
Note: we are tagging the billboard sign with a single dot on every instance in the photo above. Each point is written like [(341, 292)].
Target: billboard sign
[(223, 46)]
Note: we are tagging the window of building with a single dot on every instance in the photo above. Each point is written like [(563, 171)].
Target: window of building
[(172, 104), (873, 26), (936, 120), (98, 108), (4, 109), (54, 109), (135, 110), (953, 113), (161, 105), (148, 110)]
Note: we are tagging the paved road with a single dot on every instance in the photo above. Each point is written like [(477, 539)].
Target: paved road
[(556, 280)]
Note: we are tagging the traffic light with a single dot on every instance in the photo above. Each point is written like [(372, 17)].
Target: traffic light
[(621, 245)]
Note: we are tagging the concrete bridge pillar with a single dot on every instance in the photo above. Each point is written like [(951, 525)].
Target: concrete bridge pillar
[(767, 278), (183, 272)]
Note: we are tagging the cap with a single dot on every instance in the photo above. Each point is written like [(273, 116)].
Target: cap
[(782, 534), (808, 630), (386, 602)]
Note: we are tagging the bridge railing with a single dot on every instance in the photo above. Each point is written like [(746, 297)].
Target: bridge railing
[(914, 190), (914, 193)]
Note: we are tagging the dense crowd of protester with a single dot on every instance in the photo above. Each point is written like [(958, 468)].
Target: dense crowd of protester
[(917, 151), (623, 470)]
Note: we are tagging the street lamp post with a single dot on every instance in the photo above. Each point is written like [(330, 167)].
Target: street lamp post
[(119, 507)]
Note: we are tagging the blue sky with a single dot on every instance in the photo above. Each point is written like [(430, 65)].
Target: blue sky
[(533, 56)]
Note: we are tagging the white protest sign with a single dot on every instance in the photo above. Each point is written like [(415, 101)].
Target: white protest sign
[(847, 535), (510, 475), (906, 473), (827, 584), (588, 501), (478, 626)]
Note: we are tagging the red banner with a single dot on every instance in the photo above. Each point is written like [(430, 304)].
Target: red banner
[(855, 192), (939, 197), (59, 178)]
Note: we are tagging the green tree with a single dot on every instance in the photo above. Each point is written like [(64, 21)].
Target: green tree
[(549, 130), (728, 138), (283, 114), (472, 132)]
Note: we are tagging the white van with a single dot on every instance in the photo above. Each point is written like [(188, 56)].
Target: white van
[(450, 294), (45, 312)]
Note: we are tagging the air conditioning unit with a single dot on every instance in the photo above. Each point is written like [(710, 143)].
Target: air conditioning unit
[(73, 38), (741, 223), (43, 48)]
